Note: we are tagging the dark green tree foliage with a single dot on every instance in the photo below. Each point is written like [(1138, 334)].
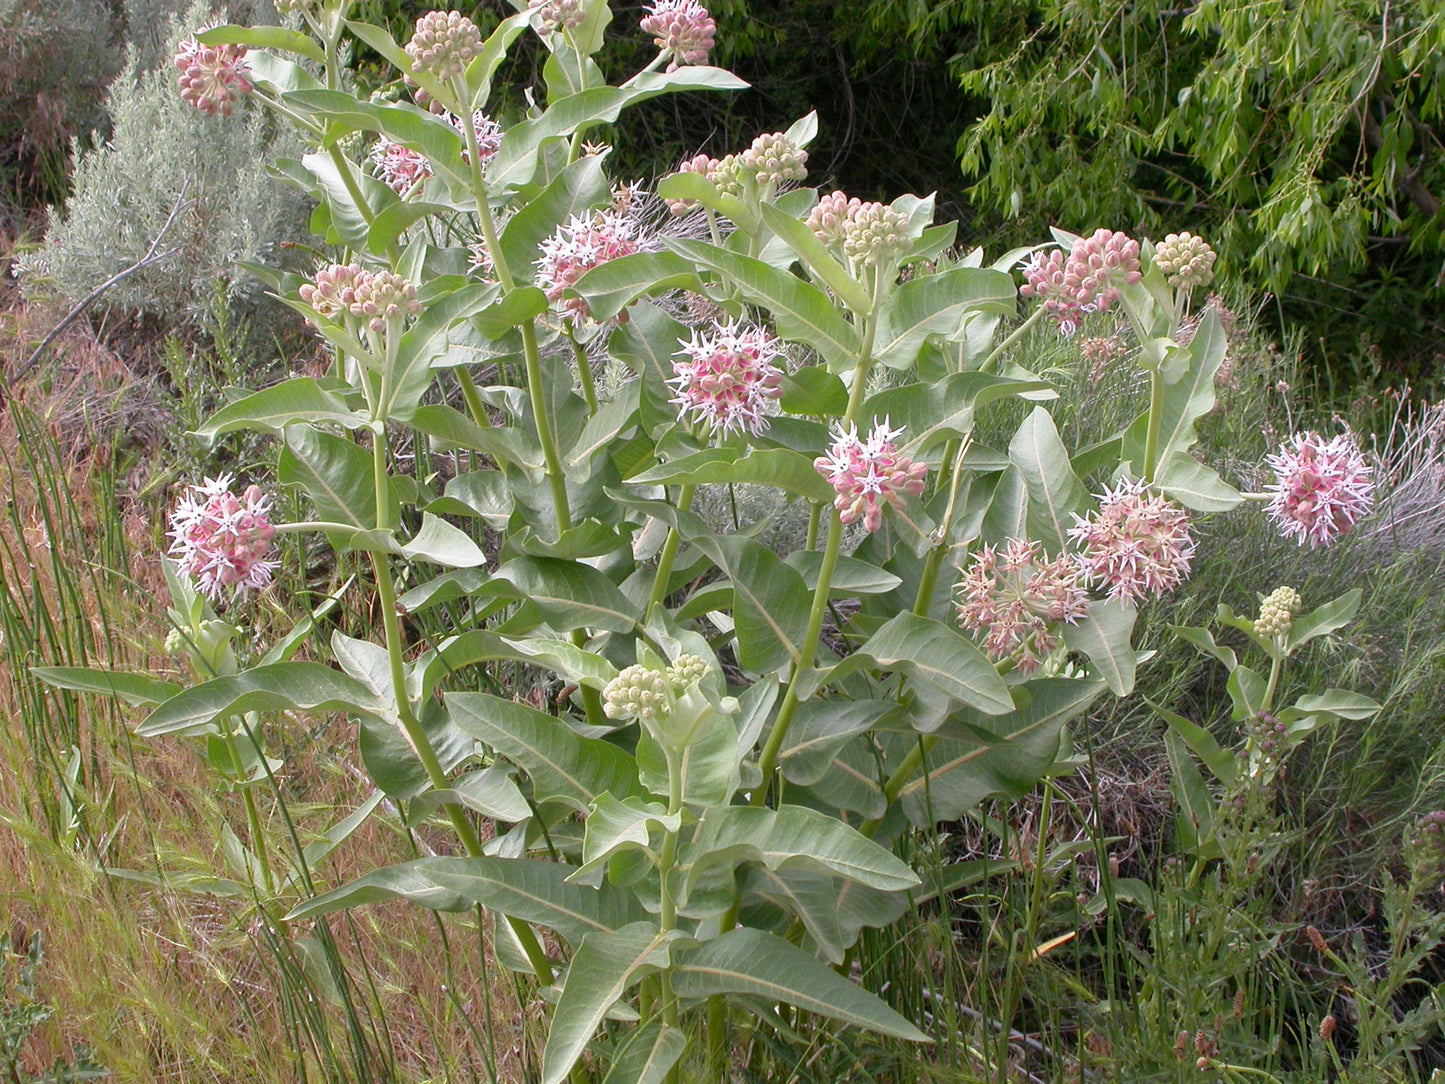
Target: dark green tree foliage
[(1303, 135)]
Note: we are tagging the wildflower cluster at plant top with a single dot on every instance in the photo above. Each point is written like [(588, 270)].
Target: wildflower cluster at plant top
[(727, 377), (1187, 261), (868, 474), (1276, 612), (1137, 543), (642, 693), (222, 541), (1087, 280), (1321, 488), (1015, 599), (348, 290), (772, 160), (213, 77), (682, 29), (580, 244)]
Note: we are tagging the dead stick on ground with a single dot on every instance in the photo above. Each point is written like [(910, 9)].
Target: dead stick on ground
[(150, 258)]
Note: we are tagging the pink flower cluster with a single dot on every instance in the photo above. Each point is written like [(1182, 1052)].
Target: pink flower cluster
[(867, 474), (582, 243), (829, 219), (728, 378), (682, 29), (1137, 544), (1086, 280), (1321, 487), (398, 167), (213, 76), (1014, 599), (376, 296), (489, 136), (221, 540)]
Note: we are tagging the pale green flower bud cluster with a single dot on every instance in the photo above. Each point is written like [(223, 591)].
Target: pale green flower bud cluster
[(686, 672), (875, 234), (1276, 612), (638, 693), (724, 173), (444, 43), (775, 159), (1187, 261), (177, 643), (384, 296), (648, 695)]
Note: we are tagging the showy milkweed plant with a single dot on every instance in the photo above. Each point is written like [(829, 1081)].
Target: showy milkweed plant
[(704, 819)]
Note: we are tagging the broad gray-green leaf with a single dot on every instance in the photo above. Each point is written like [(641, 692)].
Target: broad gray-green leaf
[(1192, 484), (851, 576), (605, 967), (391, 759), (1340, 703), (980, 756), (822, 727), (300, 399), (529, 890), (336, 474), (781, 468), (492, 792), (800, 310), (281, 686), (1195, 817), (832, 910), (264, 37), (442, 544), (566, 594), (790, 836), (752, 963), (1103, 634), (610, 287), (1222, 762), (618, 825), (932, 413), (348, 225), (424, 342), (1054, 490), (1186, 399), (938, 305), (929, 651), (648, 1055), (1333, 615), (562, 765), (1246, 689), (770, 602), (575, 191), (138, 690), (449, 428)]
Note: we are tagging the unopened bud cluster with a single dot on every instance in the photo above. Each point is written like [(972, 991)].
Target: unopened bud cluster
[(1087, 280), (647, 695), (1276, 612), (348, 290), (556, 16), (1187, 261), (829, 219), (775, 159), (444, 43), (875, 234), (682, 30), (213, 77)]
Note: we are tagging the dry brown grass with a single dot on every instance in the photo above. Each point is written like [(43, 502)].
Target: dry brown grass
[(162, 984)]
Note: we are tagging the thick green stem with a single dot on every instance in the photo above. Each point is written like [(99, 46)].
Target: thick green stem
[(410, 724), (815, 519), (669, 555), (556, 478), (1156, 421), (665, 863), (253, 815), (768, 760), (1003, 347), (475, 407), (584, 373)]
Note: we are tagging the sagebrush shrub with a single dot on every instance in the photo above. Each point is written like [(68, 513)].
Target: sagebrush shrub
[(161, 147)]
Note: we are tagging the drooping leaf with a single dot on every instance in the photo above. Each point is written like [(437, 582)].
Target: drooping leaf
[(938, 305), (299, 399), (562, 765), (1103, 634), (752, 963), (1054, 490), (770, 602), (281, 686), (928, 651), (138, 690), (605, 967), (529, 890), (778, 467), (648, 1055), (566, 594)]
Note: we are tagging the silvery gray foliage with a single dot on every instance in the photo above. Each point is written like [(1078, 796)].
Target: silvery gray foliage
[(125, 190)]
